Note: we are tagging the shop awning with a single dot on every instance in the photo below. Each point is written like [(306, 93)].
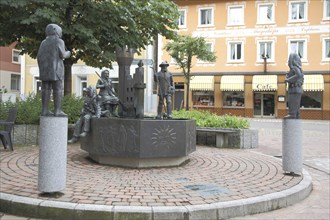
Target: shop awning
[(264, 83), (204, 83), (232, 83), (313, 83)]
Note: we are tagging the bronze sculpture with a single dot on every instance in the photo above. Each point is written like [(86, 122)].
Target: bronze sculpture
[(50, 61), (295, 80), (109, 99), (90, 110), (164, 79)]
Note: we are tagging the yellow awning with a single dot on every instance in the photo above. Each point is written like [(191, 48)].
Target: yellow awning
[(313, 83), (204, 83), (232, 83), (264, 83)]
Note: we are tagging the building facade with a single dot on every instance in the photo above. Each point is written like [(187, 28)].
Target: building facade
[(252, 41), (10, 72)]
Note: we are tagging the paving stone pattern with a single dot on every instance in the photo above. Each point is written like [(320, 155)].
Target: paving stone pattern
[(211, 175)]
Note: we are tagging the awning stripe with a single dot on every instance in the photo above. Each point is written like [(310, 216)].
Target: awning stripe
[(232, 83), (264, 83), (204, 83), (313, 82)]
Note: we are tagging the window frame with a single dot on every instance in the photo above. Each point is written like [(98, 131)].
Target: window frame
[(211, 49), (304, 58), (16, 53), (305, 19), (324, 42), (200, 17), (210, 100), (229, 59), (184, 25), (259, 20), (325, 8), (225, 94), (271, 59), (229, 8), (17, 79)]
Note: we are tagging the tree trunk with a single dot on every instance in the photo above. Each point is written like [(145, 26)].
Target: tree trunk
[(68, 76), (188, 89)]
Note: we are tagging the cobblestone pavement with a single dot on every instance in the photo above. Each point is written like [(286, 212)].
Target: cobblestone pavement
[(316, 151), (211, 175)]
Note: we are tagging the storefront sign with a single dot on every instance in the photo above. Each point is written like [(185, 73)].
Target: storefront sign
[(262, 87)]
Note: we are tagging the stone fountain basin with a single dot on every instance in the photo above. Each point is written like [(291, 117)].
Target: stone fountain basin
[(140, 143)]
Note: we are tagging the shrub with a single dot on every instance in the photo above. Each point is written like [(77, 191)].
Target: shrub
[(208, 119), (29, 110)]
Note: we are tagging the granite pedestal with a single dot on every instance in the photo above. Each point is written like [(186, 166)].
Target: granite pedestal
[(52, 154), (292, 157), (140, 143)]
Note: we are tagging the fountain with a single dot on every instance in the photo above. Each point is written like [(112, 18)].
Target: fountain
[(132, 140)]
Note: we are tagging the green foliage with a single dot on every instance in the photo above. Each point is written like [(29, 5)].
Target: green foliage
[(185, 47), (72, 106), (28, 111), (92, 30), (208, 119)]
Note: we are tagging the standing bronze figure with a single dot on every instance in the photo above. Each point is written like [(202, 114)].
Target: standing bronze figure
[(164, 79), (50, 58), (295, 80)]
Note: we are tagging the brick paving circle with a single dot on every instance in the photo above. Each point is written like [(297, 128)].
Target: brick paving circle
[(211, 175)]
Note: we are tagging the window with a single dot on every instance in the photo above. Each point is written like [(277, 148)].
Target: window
[(206, 16), (233, 98), (265, 50), (235, 51), (203, 98), (182, 18), (266, 14), (311, 99), (16, 56), (83, 85), (298, 11), (210, 47), (299, 47), (15, 82), (235, 15), (326, 10), (326, 49)]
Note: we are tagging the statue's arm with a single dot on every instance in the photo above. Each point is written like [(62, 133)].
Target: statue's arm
[(99, 84), (295, 77), (63, 53)]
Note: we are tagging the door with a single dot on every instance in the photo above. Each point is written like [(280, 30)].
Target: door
[(264, 104)]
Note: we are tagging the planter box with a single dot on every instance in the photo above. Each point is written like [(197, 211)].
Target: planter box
[(227, 138)]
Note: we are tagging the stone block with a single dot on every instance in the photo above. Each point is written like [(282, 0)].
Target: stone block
[(292, 157), (52, 154)]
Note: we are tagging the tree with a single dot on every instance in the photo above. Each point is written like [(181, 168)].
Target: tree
[(183, 49), (92, 29)]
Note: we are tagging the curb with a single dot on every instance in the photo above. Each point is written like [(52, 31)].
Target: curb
[(46, 209)]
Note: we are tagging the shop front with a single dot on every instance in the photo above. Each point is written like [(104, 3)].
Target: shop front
[(264, 95), (202, 88)]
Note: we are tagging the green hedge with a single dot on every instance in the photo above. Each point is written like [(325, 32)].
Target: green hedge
[(29, 110), (208, 119)]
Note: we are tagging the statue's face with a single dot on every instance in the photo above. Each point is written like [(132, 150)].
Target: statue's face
[(163, 68), (105, 74)]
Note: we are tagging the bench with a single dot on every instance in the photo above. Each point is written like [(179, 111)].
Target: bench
[(215, 137)]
